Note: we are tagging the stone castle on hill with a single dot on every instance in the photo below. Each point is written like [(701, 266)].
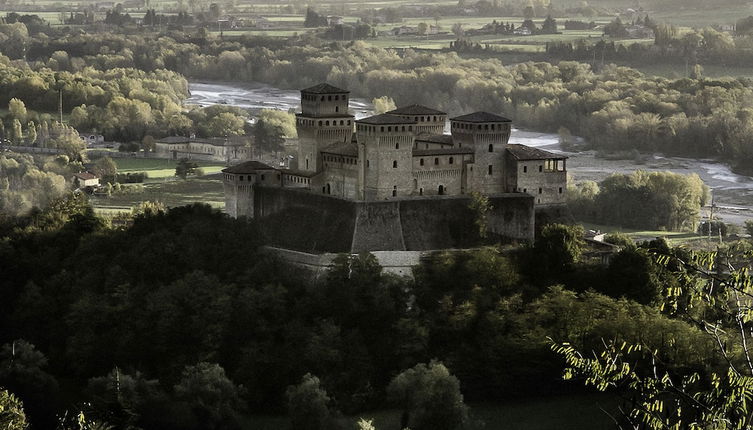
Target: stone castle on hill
[(369, 184)]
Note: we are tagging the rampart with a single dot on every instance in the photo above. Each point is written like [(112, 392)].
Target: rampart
[(313, 223)]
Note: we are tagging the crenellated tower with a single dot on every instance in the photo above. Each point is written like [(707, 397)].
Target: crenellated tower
[(385, 151), (324, 120), (488, 135), (428, 121)]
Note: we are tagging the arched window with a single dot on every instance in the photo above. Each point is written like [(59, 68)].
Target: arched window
[(320, 123), (451, 160), (420, 191), (326, 123), (394, 191), (329, 98), (421, 162), (491, 148), (440, 190)]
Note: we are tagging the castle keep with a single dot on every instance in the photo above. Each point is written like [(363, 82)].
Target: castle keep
[(387, 171)]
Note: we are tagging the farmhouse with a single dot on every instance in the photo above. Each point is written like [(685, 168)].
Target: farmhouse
[(231, 149), (85, 180)]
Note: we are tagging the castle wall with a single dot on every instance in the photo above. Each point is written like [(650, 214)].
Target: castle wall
[(314, 223), (532, 177)]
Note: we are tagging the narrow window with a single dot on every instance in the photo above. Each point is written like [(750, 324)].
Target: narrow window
[(440, 190), (262, 177), (525, 190), (490, 169), (420, 191), (421, 161), (241, 178), (560, 190), (525, 169), (394, 191), (451, 160), (367, 164), (394, 164), (541, 168), (337, 108), (436, 161), (540, 190), (397, 146), (491, 148)]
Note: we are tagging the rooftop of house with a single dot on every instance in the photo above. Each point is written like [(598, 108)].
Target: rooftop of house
[(385, 119), (86, 175), (247, 167), (415, 110), (214, 141), (523, 152), (324, 88), (481, 117)]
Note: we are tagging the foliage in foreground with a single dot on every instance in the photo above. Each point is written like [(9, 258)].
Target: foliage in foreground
[(714, 295)]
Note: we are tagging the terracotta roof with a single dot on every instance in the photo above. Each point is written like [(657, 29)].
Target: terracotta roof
[(324, 88), (442, 151), (247, 167), (348, 149), (481, 117), (385, 119), (523, 152), (86, 176), (416, 110), (442, 139)]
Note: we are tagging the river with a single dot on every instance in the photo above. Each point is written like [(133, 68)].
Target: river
[(733, 193)]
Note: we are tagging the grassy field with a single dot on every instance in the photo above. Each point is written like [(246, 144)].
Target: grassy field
[(675, 238), (206, 189), (159, 169), (579, 412)]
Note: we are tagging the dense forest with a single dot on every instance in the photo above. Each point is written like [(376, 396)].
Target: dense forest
[(189, 291)]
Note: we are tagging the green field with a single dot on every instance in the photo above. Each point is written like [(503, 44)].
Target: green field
[(158, 168), (207, 189), (577, 412)]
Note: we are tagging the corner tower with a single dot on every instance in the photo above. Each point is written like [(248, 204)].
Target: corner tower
[(385, 156), (324, 120), (487, 134)]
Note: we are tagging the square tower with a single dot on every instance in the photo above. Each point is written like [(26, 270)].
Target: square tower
[(323, 121), (487, 134), (385, 156)]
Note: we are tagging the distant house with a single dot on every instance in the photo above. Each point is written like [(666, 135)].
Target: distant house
[(92, 138), (335, 20), (522, 31), (218, 149), (105, 5), (85, 180), (260, 22), (639, 32), (434, 29)]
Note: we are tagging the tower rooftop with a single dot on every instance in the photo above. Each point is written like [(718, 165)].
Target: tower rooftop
[(247, 167), (481, 117), (324, 88), (415, 110), (385, 119)]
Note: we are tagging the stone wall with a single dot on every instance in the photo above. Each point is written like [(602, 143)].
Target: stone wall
[(315, 223)]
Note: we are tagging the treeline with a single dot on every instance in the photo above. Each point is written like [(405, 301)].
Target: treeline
[(641, 200), (616, 108), (86, 305)]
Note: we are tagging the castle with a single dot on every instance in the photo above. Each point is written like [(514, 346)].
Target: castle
[(399, 156)]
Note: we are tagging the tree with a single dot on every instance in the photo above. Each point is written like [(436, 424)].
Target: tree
[(383, 104), (268, 136), (12, 416), (309, 405), (549, 26), (106, 169), (558, 248), (422, 28), (213, 399), (186, 168), (660, 389), (430, 397), (457, 29), (17, 109), (22, 370)]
